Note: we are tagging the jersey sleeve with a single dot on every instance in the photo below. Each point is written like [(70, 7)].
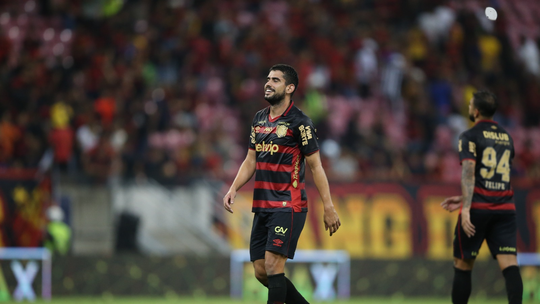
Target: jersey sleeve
[(306, 137), (467, 148), (251, 145), (513, 152)]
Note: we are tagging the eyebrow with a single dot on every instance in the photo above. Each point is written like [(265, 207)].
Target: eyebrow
[(273, 78)]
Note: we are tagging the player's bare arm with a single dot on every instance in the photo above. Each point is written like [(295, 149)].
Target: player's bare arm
[(452, 203), (467, 188), (331, 218), (246, 171)]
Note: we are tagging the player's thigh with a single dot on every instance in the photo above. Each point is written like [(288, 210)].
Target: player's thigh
[(501, 235), (284, 231), (259, 233), (465, 247)]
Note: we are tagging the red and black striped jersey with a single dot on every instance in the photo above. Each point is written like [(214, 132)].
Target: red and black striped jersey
[(492, 148), (281, 145)]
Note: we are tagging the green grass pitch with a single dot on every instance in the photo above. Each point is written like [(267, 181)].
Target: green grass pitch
[(184, 300)]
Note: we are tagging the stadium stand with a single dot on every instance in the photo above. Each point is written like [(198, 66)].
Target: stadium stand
[(165, 89)]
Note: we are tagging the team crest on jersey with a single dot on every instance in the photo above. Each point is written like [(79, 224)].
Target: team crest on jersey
[(281, 130)]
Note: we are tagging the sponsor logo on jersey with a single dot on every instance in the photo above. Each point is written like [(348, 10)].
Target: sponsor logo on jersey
[(263, 147), (281, 130), (472, 148), (295, 175), (264, 130), (496, 136), (305, 134), (252, 136)]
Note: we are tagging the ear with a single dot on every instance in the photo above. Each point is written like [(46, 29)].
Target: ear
[(476, 113), (290, 88)]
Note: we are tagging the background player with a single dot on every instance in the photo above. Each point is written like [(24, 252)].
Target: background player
[(282, 139), (487, 209)]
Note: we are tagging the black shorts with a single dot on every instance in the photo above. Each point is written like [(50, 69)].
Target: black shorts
[(498, 229), (277, 232)]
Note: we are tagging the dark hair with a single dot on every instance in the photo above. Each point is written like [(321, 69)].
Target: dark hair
[(289, 73), (486, 103)]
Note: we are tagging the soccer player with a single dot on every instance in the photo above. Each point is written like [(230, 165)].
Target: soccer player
[(282, 140), (487, 210)]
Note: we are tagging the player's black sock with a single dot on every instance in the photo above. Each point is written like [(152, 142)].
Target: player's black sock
[(461, 288), (514, 284), (277, 289), (293, 296)]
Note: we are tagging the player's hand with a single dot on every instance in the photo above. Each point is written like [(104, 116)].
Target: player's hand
[(468, 227), (228, 200), (331, 220), (452, 203)]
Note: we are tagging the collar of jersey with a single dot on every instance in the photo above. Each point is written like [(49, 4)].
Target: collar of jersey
[(284, 113), (486, 120)]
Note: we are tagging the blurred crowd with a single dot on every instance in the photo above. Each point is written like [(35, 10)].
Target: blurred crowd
[(166, 90)]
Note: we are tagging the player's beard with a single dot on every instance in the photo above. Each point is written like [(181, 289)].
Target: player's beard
[(471, 117), (275, 98)]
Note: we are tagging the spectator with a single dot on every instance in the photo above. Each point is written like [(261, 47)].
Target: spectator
[(529, 55), (366, 66), (61, 141), (98, 161), (9, 134), (105, 107), (58, 238)]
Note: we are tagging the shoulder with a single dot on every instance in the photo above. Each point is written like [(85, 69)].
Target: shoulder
[(262, 112), (473, 133), (469, 134), (299, 116), (260, 115), (505, 131)]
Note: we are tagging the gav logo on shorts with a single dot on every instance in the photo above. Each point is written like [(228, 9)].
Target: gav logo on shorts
[(280, 230), (277, 242)]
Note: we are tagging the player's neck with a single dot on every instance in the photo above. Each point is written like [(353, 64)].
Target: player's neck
[(481, 118), (279, 108)]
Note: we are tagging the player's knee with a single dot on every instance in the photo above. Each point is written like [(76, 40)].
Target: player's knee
[(506, 260), (262, 277), (272, 267), (465, 265), (260, 273), (269, 267)]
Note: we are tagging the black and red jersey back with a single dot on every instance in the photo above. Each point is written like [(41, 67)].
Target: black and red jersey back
[(281, 145), (492, 148)]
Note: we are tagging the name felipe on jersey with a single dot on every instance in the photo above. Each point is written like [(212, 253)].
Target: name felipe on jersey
[(496, 136), (262, 147), (495, 185)]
